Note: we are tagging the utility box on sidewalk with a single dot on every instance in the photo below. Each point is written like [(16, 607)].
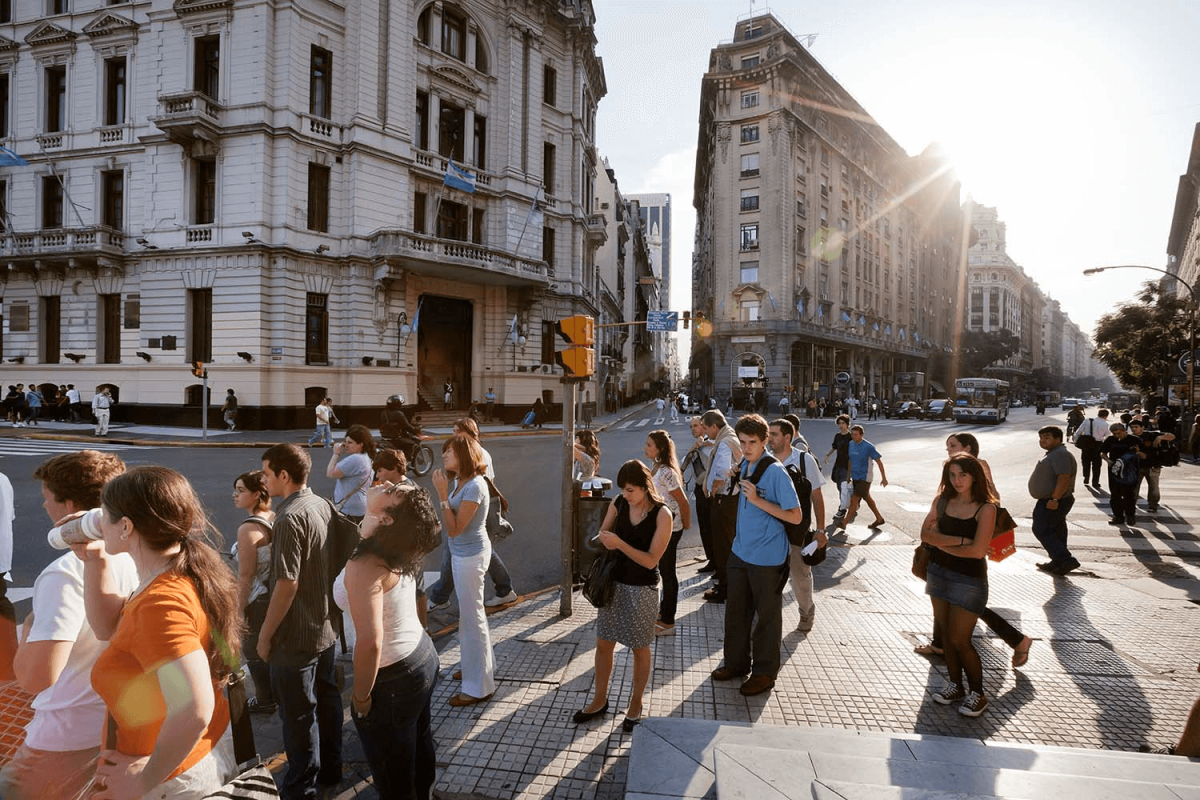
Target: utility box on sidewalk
[(589, 513)]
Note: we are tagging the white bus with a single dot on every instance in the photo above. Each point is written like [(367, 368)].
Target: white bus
[(980, 400)]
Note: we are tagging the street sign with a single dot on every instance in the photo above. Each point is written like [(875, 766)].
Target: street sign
[(842, 378), (1184, 360), (662, 320)]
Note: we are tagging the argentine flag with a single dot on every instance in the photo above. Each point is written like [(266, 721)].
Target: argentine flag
[(458, 178), (10, 159)]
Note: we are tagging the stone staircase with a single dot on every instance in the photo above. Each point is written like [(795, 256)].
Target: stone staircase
[(684, 758)]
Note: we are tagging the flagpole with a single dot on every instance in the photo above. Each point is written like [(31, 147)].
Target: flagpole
[(528, 216), (61, 182)]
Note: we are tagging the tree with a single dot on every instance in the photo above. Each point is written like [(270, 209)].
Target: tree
[(1139, 339), (980, 349)]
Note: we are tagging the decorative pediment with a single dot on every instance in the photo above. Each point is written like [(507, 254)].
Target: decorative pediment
[(48, 34), (7, 44), (749, 291), (110, 25), (184, 7), (455, 76)]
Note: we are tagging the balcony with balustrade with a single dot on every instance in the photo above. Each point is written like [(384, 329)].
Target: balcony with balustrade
[(189, 117), (397, 251), (92, 247)]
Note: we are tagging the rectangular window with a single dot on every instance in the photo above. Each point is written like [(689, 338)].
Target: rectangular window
[(548, 249), (110, 328), (454, 34), (18, 318), (480, 142), (204, 191), (133, 311), (549, 154), (750, 99), (801, 205), (549, 335), (477, 226), (200, 325), (4, 84), (318, 198), (450, 131), (422, 121), (207, 75), (316, 329), (750, 236), (114, 91), (52, 202), (112, 185), (749, 272), (56, 99), (320, 82), (749, 133), (801, 240), (452, 221), (418, 212), (749, 165), (749, 199), (58, 7), (5, 10), (549, 85), (750, 310), (748, 62), (50, 328)]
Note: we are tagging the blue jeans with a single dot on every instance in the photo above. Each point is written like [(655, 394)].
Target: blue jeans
[(397, 735), (1050, 528), (440, 592), (310, 708), (754, 617), (255, 614), (322, 431)]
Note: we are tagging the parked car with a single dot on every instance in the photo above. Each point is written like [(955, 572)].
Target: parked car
[(1016, 403), (938, 409), (907, 409)]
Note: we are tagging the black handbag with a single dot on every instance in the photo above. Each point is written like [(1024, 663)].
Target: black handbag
[(498, 528), (598, 586)]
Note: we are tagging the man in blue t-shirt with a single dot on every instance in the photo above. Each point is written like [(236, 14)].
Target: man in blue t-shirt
[(758, 566), (861, 453)]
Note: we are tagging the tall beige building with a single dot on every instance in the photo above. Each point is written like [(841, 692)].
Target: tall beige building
[(822, 247), (262, 187)]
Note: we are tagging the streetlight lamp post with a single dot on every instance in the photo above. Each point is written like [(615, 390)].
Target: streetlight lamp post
[(1191, 326)]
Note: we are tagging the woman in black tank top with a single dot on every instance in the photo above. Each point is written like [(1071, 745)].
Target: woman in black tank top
[(959, 527)]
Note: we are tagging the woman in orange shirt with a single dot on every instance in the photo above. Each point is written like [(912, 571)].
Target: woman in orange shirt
[(172, 643)]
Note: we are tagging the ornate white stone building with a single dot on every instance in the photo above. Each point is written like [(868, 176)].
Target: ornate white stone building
[(260, 186)]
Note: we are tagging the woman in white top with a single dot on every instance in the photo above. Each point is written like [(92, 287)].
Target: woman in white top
[(253, 553), (668, 480), (587, 457), (350, 466), (395, 663)]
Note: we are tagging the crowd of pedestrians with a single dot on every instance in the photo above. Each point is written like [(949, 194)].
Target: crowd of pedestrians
[(29, 404)]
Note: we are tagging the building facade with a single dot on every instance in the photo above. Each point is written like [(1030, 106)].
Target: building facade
[(269, 190), (1183, 246), (828, 261)]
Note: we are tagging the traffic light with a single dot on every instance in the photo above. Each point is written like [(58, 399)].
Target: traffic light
[(198, 369), (578, 360), (687, 317)]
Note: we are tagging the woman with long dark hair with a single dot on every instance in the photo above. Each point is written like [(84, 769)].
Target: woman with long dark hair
[(638, 526), (462, 491), (587, 456), (1018, 641), (668, 481), (171, 644), (350, 465), (959, 528), (395, 663), (252, 551)]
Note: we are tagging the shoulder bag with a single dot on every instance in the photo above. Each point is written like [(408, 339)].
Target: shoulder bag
[(498, 528), (598, 583), (924, 553), (1003, 536)]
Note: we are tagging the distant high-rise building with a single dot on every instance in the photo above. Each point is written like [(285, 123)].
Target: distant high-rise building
[(827, 259)]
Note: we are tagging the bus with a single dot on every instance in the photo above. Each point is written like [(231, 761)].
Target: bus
[(980, 400), (1049, 399), (1122, 401)]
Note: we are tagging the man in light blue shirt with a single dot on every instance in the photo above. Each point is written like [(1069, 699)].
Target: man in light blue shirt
[(758, 565), (861, 454)]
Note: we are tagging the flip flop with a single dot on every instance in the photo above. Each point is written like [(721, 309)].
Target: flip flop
[(928, 650), (879, 523), (1021, 657)]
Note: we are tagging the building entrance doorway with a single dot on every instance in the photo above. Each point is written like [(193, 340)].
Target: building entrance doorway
[(444, 349)]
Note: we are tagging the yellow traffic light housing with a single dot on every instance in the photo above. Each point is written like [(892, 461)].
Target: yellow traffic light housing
[(578, 360), (577, 330), (198, 369)]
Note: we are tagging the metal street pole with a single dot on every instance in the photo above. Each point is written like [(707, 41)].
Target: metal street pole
[(204, 406), (1191, 322), (567, 542)]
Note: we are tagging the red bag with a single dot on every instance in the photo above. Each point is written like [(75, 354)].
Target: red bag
[(1004, 536)]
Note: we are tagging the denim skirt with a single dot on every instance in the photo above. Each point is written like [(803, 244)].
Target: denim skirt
[(956, 588)]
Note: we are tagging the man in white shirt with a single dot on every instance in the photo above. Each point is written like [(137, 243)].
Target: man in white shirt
[(74, 401), (324, 414), (779, 439), (722, 506), (101, 402), (58, 649), (1088, 437)]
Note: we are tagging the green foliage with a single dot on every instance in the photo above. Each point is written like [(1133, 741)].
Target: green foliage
[(979, 349), (1138, 340)]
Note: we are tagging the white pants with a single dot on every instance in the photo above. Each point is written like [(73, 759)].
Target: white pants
[(802, 582), (101, 421), (474, 639)]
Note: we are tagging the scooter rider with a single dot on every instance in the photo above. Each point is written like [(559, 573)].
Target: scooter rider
[(394, 425)]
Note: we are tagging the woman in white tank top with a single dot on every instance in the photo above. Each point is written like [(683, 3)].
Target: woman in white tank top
[(395, 663)]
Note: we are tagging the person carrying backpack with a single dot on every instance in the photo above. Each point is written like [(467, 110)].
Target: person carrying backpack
[(1123, 454), (1159, 453), (807, 480)]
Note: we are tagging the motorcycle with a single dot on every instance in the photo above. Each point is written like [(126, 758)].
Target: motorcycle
[(418, 454)]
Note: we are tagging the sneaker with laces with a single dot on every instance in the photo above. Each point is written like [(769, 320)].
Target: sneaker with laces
[(501, 599), (949, 693), (974, 705)]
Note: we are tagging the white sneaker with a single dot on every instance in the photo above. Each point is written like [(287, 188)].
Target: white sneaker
[(501, 600), (435, 606)]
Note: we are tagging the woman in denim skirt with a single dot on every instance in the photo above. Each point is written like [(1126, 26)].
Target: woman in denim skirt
[(959, 528), (395, 663)]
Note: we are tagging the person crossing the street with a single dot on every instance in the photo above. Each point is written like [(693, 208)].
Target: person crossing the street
[(861, 453), (1088, 438), (1151, 466), (1052, 485), (841, 465)]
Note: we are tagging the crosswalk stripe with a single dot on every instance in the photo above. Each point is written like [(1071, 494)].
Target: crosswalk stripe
[(625, 424), (26, 447), (643, 423)]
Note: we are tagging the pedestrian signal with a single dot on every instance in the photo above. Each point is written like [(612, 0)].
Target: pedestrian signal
[(687, 317), (198, 369), (577, 330)]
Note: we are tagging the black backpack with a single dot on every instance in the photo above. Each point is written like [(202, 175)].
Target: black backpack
[(343, 539), (797, 534)]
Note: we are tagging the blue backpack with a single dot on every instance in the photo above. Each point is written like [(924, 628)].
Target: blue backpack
[(1124, 469)]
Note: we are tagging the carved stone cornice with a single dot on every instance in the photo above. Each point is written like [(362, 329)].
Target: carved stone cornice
[(456, 77), (186, 7), (7, 44), (110, 25), (50, 34)]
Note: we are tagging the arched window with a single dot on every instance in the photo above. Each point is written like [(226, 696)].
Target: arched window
[(481, 62)]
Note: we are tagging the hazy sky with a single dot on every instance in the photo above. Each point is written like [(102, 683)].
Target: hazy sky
[(1073, 118)]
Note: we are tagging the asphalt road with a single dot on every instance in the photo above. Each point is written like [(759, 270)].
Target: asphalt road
[(528, 470)]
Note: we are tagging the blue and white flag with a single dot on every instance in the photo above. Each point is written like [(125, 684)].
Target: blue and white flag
[(846, 316), (458, 178), (10, 159), (800, 306), (512, 330), (888, 330), (875, 327), (417, 316), (862, 320), (821, 311), (771, 297), (903, 337), (916, 336)]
